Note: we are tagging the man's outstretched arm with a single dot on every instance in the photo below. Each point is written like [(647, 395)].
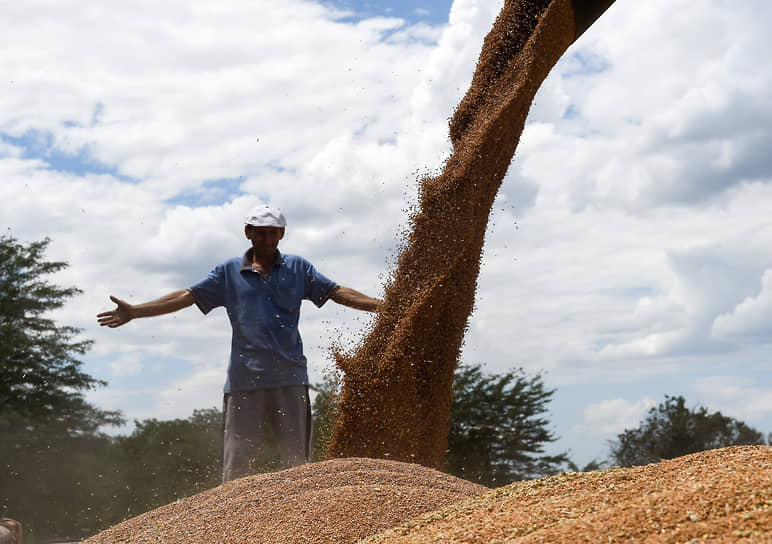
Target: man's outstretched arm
[(354, 299), (125, 312)]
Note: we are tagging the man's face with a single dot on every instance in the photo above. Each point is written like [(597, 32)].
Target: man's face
[(264, 240)]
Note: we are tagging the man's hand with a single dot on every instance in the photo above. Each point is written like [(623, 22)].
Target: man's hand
[(117, 317), (354, 299), (125, 312)]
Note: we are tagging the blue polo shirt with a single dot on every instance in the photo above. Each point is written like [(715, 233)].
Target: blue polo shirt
[(266, 349)]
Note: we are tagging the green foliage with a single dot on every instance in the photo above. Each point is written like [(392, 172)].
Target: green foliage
[(497, 431), (61, 486), (323, 409), (672, 430), (162, 461), (40, 376), (50, 434), (54, 482), (591, 466)]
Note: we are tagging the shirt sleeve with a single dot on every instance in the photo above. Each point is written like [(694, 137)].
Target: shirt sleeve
[(318, 286), (210, 292)]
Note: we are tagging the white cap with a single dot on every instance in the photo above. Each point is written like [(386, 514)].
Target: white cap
[(265, 216)]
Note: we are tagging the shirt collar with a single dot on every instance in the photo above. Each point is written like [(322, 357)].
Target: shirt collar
[(246, 260)]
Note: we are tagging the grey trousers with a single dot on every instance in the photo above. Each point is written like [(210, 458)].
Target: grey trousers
[(288, 409)]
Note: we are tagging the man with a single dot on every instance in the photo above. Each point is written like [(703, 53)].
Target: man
[(267, 374)]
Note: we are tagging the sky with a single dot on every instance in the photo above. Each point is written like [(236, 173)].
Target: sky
[(628, 253)]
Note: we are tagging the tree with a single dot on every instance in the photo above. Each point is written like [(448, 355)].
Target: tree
[(162, 461), (323, 409), (591, 466), (672, 430), (40, 376), (497, 431), (45, 420)]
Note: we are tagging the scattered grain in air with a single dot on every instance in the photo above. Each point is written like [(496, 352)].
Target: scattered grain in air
[(397, 387)]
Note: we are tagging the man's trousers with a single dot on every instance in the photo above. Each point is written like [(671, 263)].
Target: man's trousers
[(287, 409)]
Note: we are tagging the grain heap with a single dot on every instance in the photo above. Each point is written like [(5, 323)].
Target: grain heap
[(332, 502), (722, 495), (397, 386)]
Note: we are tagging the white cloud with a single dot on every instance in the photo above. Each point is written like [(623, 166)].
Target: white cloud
[(630, 238), (739, 397), (613, 416), (675, 115), (127, 365), (751, 319), (182, 397)]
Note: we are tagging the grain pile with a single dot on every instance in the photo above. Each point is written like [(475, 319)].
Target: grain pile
[(397, 386), (716, 496), (333, 502), (710, 497)]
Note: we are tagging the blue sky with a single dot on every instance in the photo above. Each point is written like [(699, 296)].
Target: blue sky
[(627, 255), (41, 146), (433, 13)]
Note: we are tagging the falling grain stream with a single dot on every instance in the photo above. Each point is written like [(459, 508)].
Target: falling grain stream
[(397, 386)]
